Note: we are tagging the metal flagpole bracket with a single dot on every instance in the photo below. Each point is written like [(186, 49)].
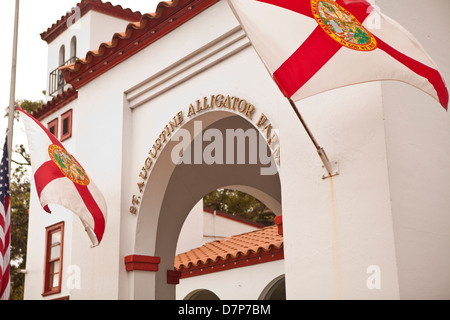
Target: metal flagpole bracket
[(331, 167), (90, 233)]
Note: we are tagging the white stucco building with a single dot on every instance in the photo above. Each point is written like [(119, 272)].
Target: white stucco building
[(380, 229)]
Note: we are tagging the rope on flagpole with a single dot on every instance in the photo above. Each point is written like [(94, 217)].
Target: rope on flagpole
[(329, 167), (12, 98)]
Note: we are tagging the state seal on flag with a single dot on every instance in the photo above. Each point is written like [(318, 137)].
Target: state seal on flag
[(68, 165), (342, 26)]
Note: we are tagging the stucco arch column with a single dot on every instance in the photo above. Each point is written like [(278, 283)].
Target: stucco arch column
[(173, 190)]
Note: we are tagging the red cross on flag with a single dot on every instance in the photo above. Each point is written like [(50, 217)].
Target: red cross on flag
[(61, 180), (311, 46)]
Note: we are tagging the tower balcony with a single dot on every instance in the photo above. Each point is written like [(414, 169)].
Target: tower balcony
[(56, 78)]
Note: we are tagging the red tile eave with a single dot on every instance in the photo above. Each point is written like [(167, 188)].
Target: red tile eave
[(85, 6), (242, 260), (254, 247), (137, 36), (56, 103)]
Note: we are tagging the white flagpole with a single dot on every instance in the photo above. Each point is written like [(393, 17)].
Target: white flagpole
[(12, 98)]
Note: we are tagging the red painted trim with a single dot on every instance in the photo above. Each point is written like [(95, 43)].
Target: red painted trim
[(66, 135), (85, 6), (48, 289), (279, 223), (136, 37), (241, 261), (53, 124), (143, 263), (237, 219), (173, 277)]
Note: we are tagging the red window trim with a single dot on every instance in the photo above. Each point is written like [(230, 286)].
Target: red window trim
[(47, 268), (68, 134), (53, 123)]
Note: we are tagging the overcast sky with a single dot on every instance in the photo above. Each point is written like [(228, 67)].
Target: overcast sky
[(35, 17)]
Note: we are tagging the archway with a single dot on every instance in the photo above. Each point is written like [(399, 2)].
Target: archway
[(202, 294), (173, 190), (275, 290)]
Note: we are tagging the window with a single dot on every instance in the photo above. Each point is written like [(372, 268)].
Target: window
[(66, 125), (53, 127), (53, 259), (73, 48), (62, 55)]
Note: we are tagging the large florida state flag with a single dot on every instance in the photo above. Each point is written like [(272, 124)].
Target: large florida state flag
[(311, 46), (61, 180)]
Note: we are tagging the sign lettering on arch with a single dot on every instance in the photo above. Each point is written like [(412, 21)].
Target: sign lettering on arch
[(206, 104)]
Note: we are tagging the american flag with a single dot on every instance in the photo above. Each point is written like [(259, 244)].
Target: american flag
[(5, 227)]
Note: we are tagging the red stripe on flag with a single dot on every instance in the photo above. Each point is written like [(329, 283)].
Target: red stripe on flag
[(3, 225), (312, 55), (2, 219), (93, 208), (5, 281), (302, 7), (433, 76), (45, 174), (7, 240)]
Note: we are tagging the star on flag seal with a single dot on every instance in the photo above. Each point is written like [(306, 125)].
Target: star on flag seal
[(61, 180), (311, 46)]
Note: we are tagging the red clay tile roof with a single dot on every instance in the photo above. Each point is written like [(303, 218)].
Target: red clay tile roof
[(138, 35), (56, 103), (260, 246), (85, 6)]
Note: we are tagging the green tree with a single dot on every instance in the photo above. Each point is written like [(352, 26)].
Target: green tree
[(20, 200), (239, 204), (26, 105)]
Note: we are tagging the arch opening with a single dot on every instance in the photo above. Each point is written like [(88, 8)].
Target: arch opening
[(174, 188), (275, 290), (202, 294)]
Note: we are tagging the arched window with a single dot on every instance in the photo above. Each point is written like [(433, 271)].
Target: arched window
[(62, 55), (73, 48)]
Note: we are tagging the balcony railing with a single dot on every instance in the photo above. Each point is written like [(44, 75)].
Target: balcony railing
[(56, 80)]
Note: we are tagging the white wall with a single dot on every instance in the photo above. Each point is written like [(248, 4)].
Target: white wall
[(217, 227), (378, 212), (418, 148), (388, 208), (245, 283), (83, 145), (191, 235)]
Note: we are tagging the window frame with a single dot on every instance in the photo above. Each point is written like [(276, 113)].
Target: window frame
[(54, 123), (68, 134), (49, 231)]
